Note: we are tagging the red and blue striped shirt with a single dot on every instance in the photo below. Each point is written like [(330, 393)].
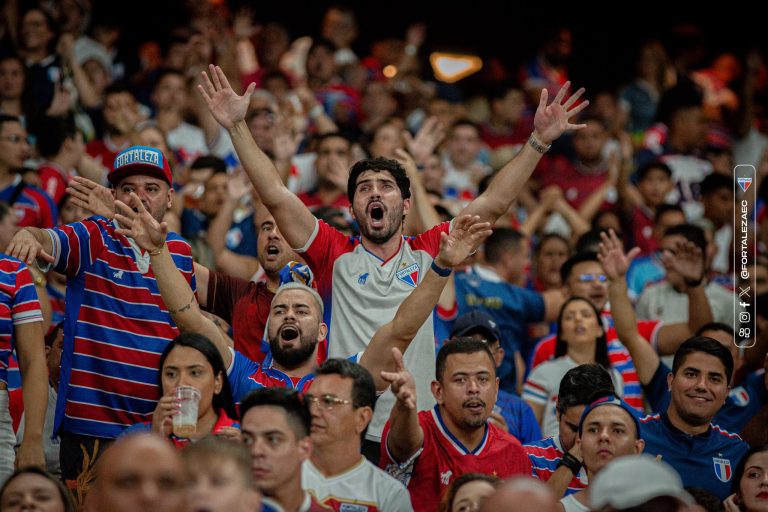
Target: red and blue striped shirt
[(116, 327)]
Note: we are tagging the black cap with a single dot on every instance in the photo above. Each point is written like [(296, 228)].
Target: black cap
[(476, 321)]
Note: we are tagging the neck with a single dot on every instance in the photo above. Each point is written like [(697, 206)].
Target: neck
[(11, 106), (273, 281), (470, 438), (582, 354), (6, 177), (290, 496), (168, 120), (681, 424), (384, 250), (336, 458), (35, 55), (327, 191)]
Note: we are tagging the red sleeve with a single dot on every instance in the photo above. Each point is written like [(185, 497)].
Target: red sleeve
[(429, 241), (52, 183), (649, 329), (544, 351), (223, 292), (320, 252)]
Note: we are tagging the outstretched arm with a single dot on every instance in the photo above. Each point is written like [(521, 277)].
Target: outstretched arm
[(549, 123), (405, 434), (468, 232), (295, 221), (174, 289), (615, 263)]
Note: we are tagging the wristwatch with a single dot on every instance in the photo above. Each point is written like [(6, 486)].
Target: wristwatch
[(538, 146)]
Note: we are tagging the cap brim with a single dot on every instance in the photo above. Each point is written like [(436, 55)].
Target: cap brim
[(115, 177)]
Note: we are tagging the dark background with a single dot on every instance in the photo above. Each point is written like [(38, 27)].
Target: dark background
[(606, 36)]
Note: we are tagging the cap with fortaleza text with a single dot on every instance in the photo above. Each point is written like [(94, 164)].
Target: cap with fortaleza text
[(140, 160)]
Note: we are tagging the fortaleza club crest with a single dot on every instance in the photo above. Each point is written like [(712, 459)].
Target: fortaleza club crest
[(722, 469), (409, 275), (744, 183)]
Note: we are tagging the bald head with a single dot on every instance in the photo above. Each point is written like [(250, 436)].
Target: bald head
[(521, 495), (139, 472)]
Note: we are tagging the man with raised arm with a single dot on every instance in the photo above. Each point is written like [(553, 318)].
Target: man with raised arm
[(376, 271), (116, 324), (682, 432), (295, 322)]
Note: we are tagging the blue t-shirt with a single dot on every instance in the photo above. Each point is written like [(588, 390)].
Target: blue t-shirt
[(741, 404), (241, 237), (706, 460), (512, 307), (519, 417)]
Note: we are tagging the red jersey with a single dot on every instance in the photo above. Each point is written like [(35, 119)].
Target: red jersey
[(54, 180), (443, 458), (576, 181)]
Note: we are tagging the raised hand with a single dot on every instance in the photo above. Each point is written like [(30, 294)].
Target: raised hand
[(401, 382), (91, 196), (686, 259), (25, 247), (611, 255), (552, 120), (226, 106), (429, 136), (465, 237), (139, 225)]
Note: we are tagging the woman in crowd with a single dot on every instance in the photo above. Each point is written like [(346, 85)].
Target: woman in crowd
[(467, 492), (193, 360), (750, 483)]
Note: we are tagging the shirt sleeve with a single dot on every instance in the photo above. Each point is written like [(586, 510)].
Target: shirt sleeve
[(656, 391), (26, 307), (429, 241), (238, 372), (536, 388), (75, 246)]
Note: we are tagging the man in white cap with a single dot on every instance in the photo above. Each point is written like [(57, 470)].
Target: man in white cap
[(640, 483)]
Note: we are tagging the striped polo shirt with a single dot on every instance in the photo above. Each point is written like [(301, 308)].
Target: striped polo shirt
[(116, 327), (18, 305)]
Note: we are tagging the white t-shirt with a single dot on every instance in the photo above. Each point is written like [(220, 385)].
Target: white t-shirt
[(363, 487)]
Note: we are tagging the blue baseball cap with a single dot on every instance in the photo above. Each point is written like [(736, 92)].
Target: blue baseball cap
[(140, 160), (475, 321)]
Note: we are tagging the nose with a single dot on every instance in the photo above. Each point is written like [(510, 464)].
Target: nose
[(149, 492), (473, 386)]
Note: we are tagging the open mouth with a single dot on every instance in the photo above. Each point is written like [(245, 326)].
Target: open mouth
[(273, 250), (289, 333), (376, 213), (474, 405)]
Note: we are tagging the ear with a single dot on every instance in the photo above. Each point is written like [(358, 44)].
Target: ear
[(322, 332), (437, 391), (218, 383), (639, 446), (363, 417), (305, 448), (670, 378), (171, 193), (498, 358), (406, 206), (352, 212)]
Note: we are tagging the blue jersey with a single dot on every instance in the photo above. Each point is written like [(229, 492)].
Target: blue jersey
[(519, 417), (706, 460), (545, 455), (512, 307), (741, 404), (241, 236)]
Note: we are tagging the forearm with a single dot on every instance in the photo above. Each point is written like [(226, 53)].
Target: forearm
[(592, 203), (89, 98), (34, 378), (258, 166), (424, 209), (535, 218), (505, 186), (643, 355), (42, 237), (180, 300), (559, 481), (699, 310), (405, 434), (579, 224), (217, 231)]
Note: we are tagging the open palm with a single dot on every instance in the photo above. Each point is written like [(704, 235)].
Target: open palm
[(465, 237), (140, 225), (226, 106), (552, 120)]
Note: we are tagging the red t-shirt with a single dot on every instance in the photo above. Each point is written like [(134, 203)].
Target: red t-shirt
[(577, 183), (53, 180), (444, 458)]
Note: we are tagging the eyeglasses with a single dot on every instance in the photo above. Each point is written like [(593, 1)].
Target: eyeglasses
[(15, 138), (327, 402), (588, 278)]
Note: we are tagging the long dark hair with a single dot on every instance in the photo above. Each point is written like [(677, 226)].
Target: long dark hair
[(742, 466), (221, 401), (31, 470), (601, 344)]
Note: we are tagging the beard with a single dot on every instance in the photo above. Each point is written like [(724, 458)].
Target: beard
[(295, 356), (379, 236)]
